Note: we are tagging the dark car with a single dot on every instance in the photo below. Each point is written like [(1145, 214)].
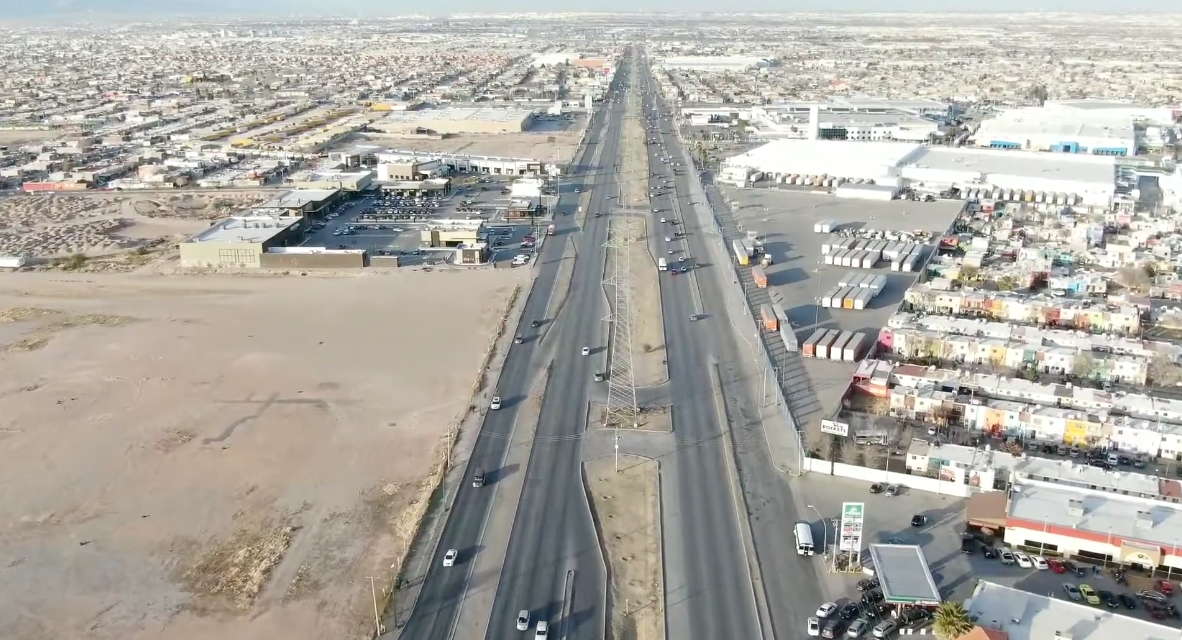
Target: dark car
[(1128, 601), (867, 585), (849, 612), (968, 544), (876, 488), (1070, 566), (535, 324), (1109, 598), (918, 520), (989, 552)]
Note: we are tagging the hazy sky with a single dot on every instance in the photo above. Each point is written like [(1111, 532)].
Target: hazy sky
[(25, 9)]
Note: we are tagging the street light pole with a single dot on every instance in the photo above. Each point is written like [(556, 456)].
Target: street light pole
[(824, 529)]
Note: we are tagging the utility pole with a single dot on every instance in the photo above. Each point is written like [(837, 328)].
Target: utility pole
[(616, 442)]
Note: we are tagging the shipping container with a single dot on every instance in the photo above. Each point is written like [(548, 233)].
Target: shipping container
[(862, 299), (825, 226), (826, 247), (879, 246), (891, 251), (829, 293), (836, 349), (878, 284), (769, 318), (853, 349), (839, 298), (854, 258), (759, 277), (781, 315), (870, 259), (848, 279), (847, 298), (822, 350), (839, 257), (809, 348), (788, 338), (832, 257), (862, 245), (912, 264)]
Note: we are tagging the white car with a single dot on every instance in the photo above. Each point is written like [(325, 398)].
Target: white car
[(668, 239), (495, 404), (586, 351), (826, 610), (543, 630), (1023, 560), (449, 558), (1040, 563), (814, 627), (522, 620)]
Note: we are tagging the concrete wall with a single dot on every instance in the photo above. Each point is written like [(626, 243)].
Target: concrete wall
[(932, 485), (312, 260), (383, 261)]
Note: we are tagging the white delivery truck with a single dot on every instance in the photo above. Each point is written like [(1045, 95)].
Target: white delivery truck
[(804, 539), (662, 265)]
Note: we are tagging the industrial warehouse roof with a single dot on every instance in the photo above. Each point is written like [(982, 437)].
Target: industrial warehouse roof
[(903, 572), (1026, 616), (298, 198), (1126, 518), (477, 114), (245, 229), (868, 160), (1070, 167)]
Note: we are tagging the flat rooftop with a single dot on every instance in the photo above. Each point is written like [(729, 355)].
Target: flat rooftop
[(903, 572), (1138, 520), (245, 229), (472, 114), (1026, 616), (298, 197), (1072, 167)]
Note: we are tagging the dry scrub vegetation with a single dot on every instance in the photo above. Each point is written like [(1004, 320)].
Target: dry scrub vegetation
[(216, 458)]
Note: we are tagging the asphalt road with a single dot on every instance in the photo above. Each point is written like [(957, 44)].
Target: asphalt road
[(553, 531), (712, 561)]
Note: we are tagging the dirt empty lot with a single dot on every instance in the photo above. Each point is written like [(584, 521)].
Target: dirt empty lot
[(648, 328), (627, 511), (222, 458)]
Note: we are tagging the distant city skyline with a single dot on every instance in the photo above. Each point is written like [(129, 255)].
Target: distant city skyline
[(10, 9)]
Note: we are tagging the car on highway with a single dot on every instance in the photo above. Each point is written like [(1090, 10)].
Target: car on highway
[(542, 631), (518, 339), (1072, 591), (586, 351), (814, 627), (478, 478), (1039, 563), (826, 610), (1023, 560), (522, 620), (857, 628), (495, 404), (449, 558), (1089, 595)]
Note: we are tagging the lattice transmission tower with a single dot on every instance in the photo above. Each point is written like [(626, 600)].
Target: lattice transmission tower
[(622, 410)]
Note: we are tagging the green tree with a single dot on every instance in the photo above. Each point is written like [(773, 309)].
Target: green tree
[(951, 621)]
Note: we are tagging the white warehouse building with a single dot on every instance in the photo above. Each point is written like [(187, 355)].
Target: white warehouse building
[(1079, 127), (1071, 178)]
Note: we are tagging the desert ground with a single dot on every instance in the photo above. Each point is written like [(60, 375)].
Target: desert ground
[(223, 458), (96, 224)]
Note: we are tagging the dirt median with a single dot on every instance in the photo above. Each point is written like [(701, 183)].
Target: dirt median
[(627, 513), (648, 329)]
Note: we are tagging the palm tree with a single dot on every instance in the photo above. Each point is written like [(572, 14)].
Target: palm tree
[(951, 621)]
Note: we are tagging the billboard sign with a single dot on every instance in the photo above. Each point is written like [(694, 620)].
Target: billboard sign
[(835, 428), (850, 531)]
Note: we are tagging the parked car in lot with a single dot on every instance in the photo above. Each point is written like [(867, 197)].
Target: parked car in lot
[(1072, 591), (1109, 599), (1023, 560), (867, 585), (814, 626), (1089, 595), (876, 488), (1056, 566), (857, 628), (892, 490), (1039, 563), (1007, 556), (989, 552), (1128, 601), (826, 610)]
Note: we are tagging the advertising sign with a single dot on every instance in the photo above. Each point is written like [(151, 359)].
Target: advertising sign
[(850, 532), (835, 428)]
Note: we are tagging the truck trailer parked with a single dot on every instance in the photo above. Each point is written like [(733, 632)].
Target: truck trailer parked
[(770, 322), (836, 349), (809, 348), (853, 349), (822, 350), (741, 254), (759, 277)]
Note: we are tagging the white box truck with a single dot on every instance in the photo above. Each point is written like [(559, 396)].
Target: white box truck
[(662, 265)]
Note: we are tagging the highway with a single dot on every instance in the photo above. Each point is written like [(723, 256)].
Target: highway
[(553, 530), (791, 582)]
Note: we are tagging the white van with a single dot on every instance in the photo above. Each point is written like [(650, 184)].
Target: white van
[(662, 264), (804, 539)]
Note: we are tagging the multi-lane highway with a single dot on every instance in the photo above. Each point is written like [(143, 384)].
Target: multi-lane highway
[(709, 591)]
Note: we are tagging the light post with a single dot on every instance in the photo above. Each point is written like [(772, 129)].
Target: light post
[(824, 529)]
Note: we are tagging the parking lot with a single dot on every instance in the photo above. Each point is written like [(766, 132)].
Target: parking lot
[(888, 521), (798, 276), (388, 224)]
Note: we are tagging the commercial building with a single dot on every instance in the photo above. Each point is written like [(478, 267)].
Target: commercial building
[(903, 573), (1005, 613), (438, 187), (240, 241), (312, 258), (459, 163), (456, 120), (303, 202), (345, 181), (712, 63), (453, 233), (1079, 126), (1086, 179), (409, 169)]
